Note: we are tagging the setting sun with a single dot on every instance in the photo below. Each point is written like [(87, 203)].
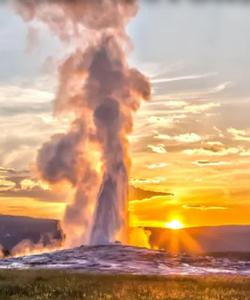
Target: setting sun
[(174, 225)]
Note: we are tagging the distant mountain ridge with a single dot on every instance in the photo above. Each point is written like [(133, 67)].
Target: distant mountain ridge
[(226, 238), (14, 229)]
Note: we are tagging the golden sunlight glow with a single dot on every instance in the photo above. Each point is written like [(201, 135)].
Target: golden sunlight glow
[(174, 225)]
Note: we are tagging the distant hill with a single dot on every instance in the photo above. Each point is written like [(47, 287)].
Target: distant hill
[(14, 229), (232, 238)]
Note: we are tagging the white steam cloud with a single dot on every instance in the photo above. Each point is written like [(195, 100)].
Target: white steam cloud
[(97, 85)]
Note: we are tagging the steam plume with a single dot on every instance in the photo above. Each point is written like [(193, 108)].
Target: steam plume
[(98, 86)]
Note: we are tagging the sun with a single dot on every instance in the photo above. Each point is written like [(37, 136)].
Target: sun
[(174, 225)]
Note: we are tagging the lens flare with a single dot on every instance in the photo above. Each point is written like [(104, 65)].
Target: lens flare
[(174, 224)]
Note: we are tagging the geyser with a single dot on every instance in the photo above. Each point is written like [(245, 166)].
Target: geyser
[(102, 91)]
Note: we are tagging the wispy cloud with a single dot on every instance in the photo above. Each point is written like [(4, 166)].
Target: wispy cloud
[(142, 181), (183, 138), (211, 151), (212, 148), (24, 94), (19, 184), (240, 134), (183, 77), (159, 148), (207, 163), (245, 152), (204, 207), (193, 94), (158, 165)]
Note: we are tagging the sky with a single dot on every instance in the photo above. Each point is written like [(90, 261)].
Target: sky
[(190, 147)]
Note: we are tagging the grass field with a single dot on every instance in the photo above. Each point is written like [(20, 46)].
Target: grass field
[(67, 286)]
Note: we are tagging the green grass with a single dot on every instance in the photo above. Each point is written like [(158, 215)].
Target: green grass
[(67, 286)]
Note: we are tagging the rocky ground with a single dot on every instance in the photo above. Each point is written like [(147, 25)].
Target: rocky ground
[(128, 260)]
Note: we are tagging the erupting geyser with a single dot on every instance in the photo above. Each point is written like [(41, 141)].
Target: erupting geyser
[(98, 87)]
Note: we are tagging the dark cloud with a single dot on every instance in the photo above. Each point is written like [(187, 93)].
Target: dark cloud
[(14, 187), (9, 172), (36, 193), (136, 193)]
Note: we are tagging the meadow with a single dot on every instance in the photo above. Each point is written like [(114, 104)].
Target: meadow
[(62, 285)]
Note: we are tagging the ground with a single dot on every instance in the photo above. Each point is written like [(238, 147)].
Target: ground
[(66, 285)]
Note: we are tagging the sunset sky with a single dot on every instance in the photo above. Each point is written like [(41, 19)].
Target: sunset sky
[(191, 141)]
